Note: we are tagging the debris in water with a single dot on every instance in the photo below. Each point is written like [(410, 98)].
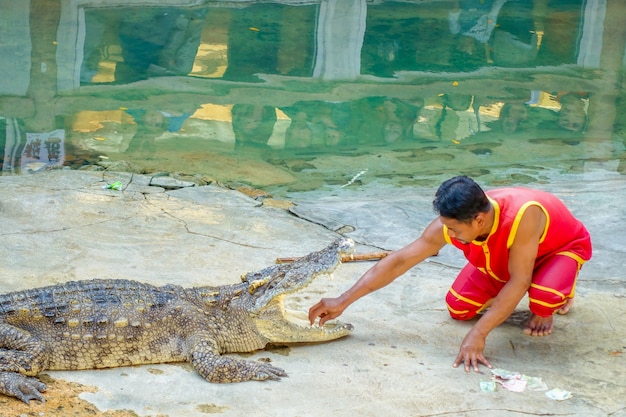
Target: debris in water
[(356, 177)]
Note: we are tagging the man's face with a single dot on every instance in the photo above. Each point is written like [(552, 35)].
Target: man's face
[(462, 231)]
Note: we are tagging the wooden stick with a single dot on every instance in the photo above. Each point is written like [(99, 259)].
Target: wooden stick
[(355, 257)]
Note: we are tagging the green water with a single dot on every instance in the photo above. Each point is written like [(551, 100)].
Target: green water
[(302, 95)]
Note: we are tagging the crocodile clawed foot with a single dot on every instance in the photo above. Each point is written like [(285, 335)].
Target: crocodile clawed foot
[(22, 387), (264, 371)]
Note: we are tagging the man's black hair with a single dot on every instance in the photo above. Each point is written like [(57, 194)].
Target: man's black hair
[(460, 198)]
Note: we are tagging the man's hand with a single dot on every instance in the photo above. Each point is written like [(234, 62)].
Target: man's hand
[(471, 352), (326, 309)]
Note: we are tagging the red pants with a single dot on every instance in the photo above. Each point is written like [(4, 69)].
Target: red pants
[(553, 283)]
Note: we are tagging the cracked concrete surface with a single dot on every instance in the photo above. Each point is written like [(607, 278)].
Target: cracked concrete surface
[(60, 226)]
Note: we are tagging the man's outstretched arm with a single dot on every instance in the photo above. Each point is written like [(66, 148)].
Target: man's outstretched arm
[(383, 273)]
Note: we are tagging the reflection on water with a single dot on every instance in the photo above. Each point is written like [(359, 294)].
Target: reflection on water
[(308, 93)]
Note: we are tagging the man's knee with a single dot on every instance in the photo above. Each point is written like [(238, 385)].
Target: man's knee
[(554, 282), (544, 301), (460, 309)]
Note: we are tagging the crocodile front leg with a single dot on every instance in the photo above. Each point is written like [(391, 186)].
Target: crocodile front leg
[(20, 351), (205, 358)]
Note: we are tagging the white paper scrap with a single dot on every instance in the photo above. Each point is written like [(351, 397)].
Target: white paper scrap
[(558, 394)]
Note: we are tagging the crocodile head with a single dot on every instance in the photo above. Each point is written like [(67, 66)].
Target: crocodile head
[(267, 288)]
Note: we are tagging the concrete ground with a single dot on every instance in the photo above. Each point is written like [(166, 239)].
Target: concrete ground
[(60, 226)]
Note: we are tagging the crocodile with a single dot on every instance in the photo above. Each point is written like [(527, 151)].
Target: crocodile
[(104, 323)]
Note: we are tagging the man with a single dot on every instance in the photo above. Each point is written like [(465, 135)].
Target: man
[(516, 240)]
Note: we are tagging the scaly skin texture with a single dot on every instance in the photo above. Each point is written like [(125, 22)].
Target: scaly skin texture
[(110, 323)]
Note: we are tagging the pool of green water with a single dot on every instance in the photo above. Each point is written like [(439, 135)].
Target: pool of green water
[(305, 95)]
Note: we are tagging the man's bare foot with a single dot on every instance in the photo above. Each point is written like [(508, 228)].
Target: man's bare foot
[(566, 307), (538, 326), (542, 326)]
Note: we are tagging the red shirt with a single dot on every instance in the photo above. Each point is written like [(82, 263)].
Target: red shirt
[(564, 234)]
